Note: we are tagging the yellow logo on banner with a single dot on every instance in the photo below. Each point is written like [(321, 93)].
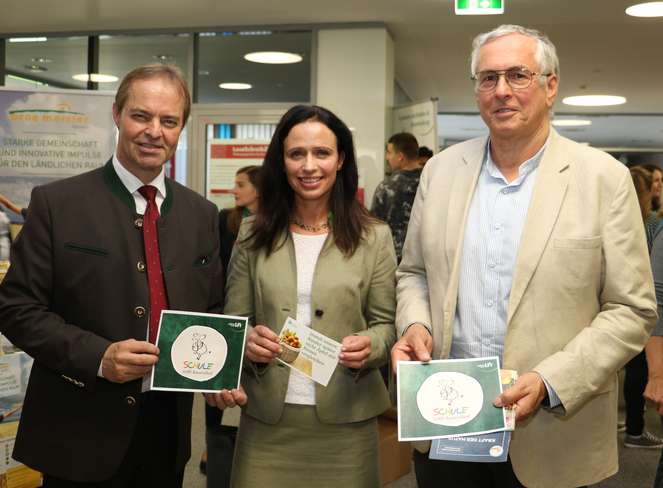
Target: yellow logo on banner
[(63, 115)]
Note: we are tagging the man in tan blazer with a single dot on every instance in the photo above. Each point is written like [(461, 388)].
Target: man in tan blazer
[(531, 247)]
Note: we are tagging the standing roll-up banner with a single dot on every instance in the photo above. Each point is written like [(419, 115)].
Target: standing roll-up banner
[(419, 119), (51, 134)]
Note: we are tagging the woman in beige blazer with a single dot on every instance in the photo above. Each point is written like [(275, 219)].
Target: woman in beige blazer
[(312, 253)]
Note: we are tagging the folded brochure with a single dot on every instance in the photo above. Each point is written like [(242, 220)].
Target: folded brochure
[(311, 353), (484, 448)]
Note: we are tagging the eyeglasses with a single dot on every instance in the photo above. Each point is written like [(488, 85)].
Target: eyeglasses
[(517, 78)]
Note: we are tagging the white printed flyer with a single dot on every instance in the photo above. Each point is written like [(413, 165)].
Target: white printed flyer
[(309, 352)]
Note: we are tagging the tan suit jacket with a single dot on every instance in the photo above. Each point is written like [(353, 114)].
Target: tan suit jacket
[(581, 304), (354, 295)]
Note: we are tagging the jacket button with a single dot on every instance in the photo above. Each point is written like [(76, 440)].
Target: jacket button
[(139, 312), (129, 400), (319, 313), (140, 266), (138, 223)]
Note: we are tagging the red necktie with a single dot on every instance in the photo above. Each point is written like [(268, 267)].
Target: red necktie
[(158, 299)]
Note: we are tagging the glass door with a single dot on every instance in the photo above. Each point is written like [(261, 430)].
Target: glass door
[(224, 138)]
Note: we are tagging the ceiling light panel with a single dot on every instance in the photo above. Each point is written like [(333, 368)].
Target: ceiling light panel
[(96, 77), (273, 57), (649, 9), (235, 86), (594, 100), (571, 122)]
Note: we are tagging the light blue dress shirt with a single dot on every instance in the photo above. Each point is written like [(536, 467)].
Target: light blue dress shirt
[(492, 236)]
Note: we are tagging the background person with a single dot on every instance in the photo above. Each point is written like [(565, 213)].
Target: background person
[(246, 204), (393, 197), (315, 254), (9, 205), (635, 379), (655, 215), (654, 349), (425, 153), (220, 439), (657, 185)]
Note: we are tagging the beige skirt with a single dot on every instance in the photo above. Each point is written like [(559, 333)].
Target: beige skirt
[(300, 451)]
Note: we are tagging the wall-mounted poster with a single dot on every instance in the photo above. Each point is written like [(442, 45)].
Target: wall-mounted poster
[(53, 134), (225, 157)]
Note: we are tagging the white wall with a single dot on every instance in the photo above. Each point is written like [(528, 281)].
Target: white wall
[(355, 80)]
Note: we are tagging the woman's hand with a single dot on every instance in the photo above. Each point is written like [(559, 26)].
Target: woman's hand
[(355, 351), (262, 346), (226, 398)]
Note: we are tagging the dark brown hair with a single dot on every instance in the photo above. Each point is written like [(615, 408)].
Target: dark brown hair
[(350, 220), (148, 71), (405, 143), (235, 214), (642, 180)]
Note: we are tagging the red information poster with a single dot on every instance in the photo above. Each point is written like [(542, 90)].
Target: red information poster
[(224, 158)]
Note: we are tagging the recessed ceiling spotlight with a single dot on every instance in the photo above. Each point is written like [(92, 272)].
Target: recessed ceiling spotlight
[(571, 122), (41, 60), (649, 9), (96, 78), (235, 86), (35, 67), (28, 39), (273, 57), (594, 100), (163, 57)]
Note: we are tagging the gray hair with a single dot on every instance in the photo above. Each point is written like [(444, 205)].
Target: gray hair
[(545, 55)]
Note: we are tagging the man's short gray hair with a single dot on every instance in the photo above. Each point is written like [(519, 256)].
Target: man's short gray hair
[(546, 54)]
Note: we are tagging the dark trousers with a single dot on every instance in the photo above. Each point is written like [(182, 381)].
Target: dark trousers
[(435, 473), (150, 459), (635, 382)]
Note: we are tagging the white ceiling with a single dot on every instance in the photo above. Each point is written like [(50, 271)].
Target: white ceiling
[(601, 49)]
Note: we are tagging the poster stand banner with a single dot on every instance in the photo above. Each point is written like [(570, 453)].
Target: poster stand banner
[(47, 135), (419, 119)]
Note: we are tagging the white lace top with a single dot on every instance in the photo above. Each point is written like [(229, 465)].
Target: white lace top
[(301, 389)]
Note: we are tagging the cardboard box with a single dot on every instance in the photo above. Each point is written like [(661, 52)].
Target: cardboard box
[(14, 231), (14, 374), (12, 473), (4, 267), (395, 457)]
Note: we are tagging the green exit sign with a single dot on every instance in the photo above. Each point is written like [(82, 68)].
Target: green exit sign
[(479, 7)]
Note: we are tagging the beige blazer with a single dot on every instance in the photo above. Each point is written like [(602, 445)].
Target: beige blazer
[(581, 305), (353, 295)]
